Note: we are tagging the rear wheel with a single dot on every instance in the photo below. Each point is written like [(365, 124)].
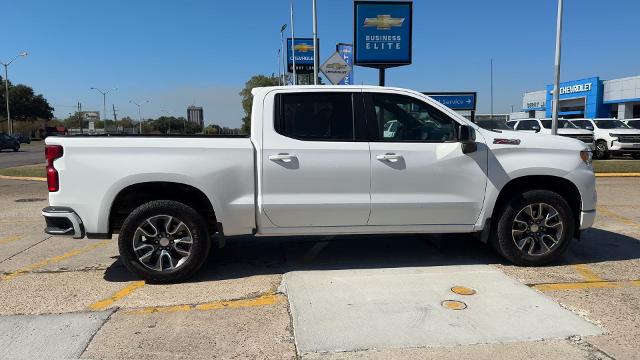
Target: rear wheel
[(534, 228), (16, 148), (164, 241), (635, 156), (602, 152)]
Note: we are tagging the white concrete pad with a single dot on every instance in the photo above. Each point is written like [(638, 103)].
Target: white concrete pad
[(62, 336), (348, 310)]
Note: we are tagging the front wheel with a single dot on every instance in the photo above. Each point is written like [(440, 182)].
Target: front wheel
[(16, 148), (534, 228), (635, 156), (164, 241), (602, 152)]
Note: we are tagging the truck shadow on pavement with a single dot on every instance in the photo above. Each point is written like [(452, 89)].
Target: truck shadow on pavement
[(249, 256)]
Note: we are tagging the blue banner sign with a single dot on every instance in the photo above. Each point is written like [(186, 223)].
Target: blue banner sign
[(383, 33), (455, 101), (303, 49), (346, 51)]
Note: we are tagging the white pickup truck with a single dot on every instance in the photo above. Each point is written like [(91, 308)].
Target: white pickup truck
[(319, 161)]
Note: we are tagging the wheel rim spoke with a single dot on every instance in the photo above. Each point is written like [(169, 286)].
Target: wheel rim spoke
[(164, 250)]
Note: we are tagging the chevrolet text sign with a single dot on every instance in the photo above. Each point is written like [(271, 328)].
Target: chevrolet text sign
[(576, 88), (382, 33), (303, 50)]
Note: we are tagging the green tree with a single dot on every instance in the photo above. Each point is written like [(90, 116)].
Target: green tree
[(25, 104), (247, 98)]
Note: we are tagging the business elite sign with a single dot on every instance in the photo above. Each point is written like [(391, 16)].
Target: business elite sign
[(383, 33), (346, 51), (303, 50)]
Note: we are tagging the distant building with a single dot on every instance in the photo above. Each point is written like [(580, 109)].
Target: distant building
[(195, 114)]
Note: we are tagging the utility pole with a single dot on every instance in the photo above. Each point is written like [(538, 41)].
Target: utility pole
[(80, 116), (556, 84), (315, 43), (293, 46), (115, 118), (104, 100)]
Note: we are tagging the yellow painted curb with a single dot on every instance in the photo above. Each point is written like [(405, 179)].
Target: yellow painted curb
[(617, 174), (23, 178), (105, 303)]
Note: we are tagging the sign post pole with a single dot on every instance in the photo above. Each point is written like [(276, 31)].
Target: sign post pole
[(382, 77), (315, 42), (293, 46), (556, 85)]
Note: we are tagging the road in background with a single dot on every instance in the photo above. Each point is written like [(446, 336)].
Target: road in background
[(29, 154)]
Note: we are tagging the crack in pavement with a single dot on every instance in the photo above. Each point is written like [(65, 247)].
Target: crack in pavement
[(22, 251)]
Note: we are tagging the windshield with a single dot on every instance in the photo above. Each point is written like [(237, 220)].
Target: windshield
[(610, 124), (562, 124), (493, 125), (634, 124)]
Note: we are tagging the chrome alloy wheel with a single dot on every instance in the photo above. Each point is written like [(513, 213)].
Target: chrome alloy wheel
[(162, 243), (537, 229)]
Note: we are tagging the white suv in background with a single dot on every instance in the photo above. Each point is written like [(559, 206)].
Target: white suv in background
[(613, 137), (543, 126)]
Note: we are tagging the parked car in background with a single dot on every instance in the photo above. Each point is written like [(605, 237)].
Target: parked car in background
[(565, 128), (8, 142), (612, 136), (22, 139), (314, 166), (632, 123)]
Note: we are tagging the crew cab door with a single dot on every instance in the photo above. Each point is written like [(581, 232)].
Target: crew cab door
[(419, 173), (314, 172)]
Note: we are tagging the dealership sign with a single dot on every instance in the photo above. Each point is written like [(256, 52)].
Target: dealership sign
[(383, 33), (302, 49), (346, 51), (335, 69), (455, 101), (576, 88)]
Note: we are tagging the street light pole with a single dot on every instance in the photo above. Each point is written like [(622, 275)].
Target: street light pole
[(556, 84), (104, 100), (170, 118), (139, 111), (315, 44), (6, 89), (293, 47), (282, 52)]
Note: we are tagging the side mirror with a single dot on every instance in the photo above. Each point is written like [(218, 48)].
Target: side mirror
[(467, 139), (535, 128), (590, 128)]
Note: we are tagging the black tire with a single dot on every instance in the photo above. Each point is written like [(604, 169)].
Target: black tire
[(504, 241), (635, 156), (602, 151), (200, 247), (16, 148)]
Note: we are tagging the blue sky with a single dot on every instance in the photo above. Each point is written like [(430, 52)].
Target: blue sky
[(180, 52)]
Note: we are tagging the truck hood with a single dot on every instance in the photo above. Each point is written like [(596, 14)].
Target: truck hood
[(574, 132), (519, 139), (622, 131)]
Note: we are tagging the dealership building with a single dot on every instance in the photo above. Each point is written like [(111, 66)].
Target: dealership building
[(586, 98)]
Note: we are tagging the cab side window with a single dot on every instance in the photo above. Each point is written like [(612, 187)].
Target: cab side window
[(316, 116), (401, 118)]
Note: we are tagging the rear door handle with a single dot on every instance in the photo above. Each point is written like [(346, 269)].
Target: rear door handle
[(282, 157), (389, 157)]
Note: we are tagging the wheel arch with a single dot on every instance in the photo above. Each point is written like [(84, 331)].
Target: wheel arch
[(134, 195), (563, 187)]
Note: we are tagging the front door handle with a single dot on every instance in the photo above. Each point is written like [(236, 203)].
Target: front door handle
[(282, 157), (389, 157)]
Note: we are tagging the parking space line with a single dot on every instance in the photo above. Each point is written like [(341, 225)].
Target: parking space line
[(586, 285), (10, 239), (126, 291), (608, 213), (263, 300), (587, 273), (53, 260)]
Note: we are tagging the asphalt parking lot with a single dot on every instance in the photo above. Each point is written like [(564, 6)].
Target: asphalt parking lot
[(380, 297)]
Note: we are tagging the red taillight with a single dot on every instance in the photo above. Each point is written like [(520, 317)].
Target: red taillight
[(52, 152)]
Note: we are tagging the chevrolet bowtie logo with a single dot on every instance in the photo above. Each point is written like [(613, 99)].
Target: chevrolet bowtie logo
[(303, 47), (383, 22)]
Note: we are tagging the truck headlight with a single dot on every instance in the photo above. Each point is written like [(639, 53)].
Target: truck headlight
[(614, 136), (587, 157)]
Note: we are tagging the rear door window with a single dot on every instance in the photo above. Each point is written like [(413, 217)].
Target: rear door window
[(316, 116)]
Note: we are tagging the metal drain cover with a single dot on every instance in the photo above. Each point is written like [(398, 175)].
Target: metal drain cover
[(30, 200), (463, 290), (454, 305)]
